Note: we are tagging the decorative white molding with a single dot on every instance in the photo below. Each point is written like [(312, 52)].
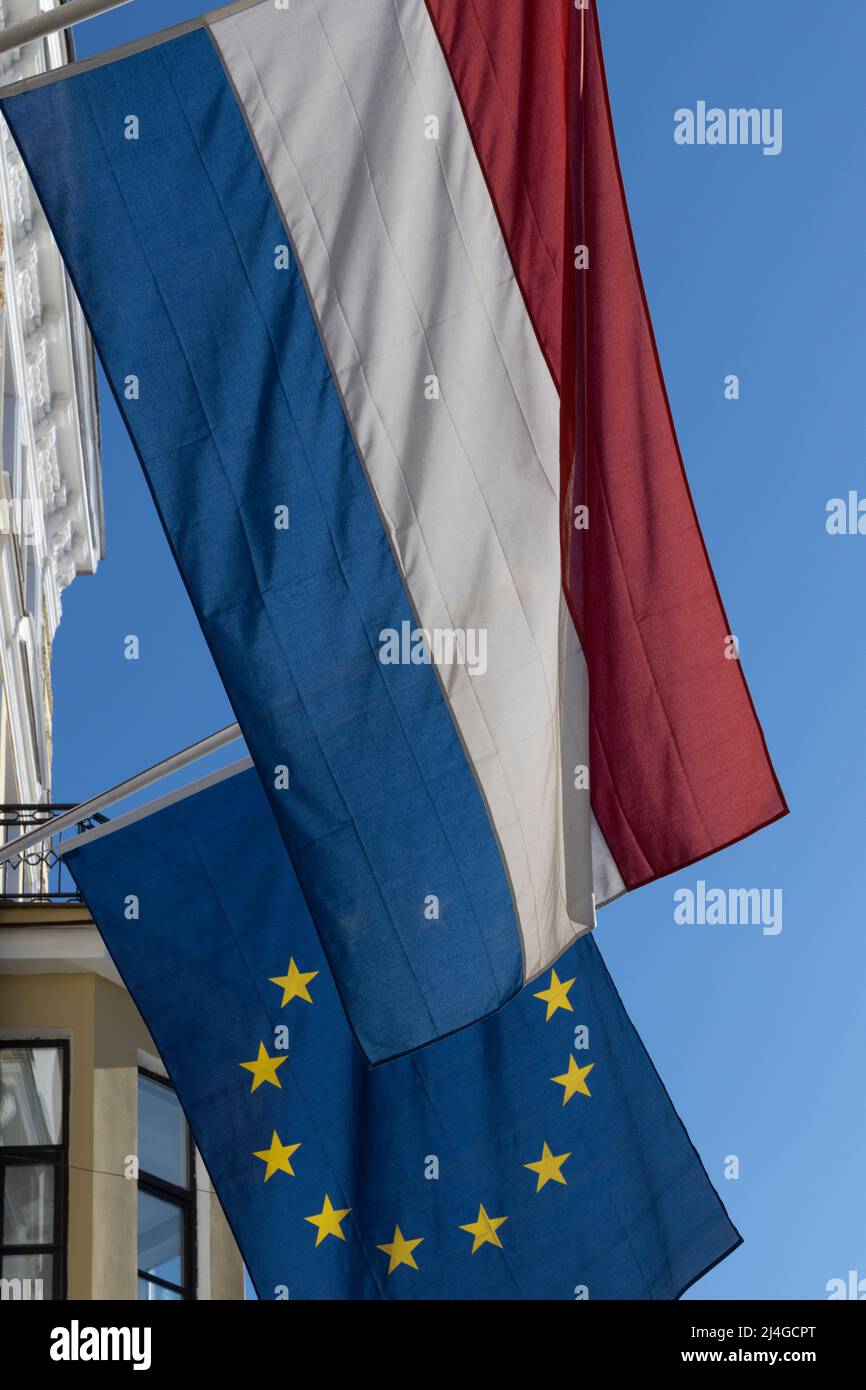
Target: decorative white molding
[(20, 202), (29, 297), (38, 387), (52, 439)]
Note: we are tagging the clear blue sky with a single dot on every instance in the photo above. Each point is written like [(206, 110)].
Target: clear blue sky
[(753, 266)]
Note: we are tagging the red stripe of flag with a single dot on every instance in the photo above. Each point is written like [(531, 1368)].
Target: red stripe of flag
[(679, 766)]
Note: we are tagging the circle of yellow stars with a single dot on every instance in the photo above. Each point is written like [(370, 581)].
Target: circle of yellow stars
[(484, 1230)]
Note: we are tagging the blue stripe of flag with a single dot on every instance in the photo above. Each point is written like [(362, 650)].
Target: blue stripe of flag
[(171, 239)]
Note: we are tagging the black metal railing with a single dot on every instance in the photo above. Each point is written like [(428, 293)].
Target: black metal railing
[(39, 875)]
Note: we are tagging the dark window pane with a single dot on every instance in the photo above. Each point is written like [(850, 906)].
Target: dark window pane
[(151, 1291), (31, 1095), (163, 1145), (29, 1270), (28, 1204), (160, 1237)]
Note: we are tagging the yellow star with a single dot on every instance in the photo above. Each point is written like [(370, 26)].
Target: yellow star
[(400, 1250), (264, 1068), (548, 1167), (484, 1229), (327, 1222), (556, 995), (574, 1080), (277, 1157), (294, 985)]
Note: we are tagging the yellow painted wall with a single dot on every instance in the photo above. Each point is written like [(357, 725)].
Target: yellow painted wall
[(106, 1034), (48, 1006)]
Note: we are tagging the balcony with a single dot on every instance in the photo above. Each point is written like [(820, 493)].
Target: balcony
[(39, 877)]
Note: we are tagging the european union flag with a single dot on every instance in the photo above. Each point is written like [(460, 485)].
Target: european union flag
[(532, 1155)]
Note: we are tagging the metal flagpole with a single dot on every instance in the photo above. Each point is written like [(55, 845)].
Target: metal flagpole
[(48, 21), (201, 784), (133, 784)]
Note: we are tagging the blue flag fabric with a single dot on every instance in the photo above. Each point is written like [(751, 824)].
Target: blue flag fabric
[(533, 1155)]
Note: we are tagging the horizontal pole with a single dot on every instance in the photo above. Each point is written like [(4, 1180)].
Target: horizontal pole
[(175, 763), (49, 21), (160, 804)]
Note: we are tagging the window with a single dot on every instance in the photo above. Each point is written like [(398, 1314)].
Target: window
[(34, 1165), (166, 1194)]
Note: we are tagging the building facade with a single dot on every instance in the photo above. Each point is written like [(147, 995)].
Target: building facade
[(102, 1192), (51, 523)]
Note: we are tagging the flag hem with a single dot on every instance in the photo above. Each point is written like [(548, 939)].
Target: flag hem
[(128, 50)]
